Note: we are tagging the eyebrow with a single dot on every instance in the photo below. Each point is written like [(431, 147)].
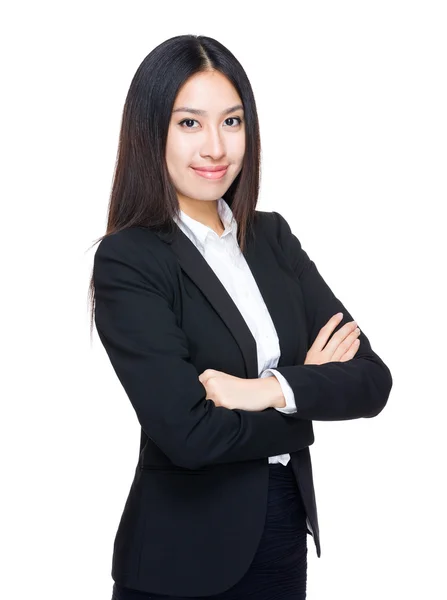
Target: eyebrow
[(197, 111)]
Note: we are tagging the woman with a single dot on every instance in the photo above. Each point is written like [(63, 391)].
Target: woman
[(225, 337)]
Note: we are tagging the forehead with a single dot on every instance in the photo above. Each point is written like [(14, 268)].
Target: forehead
[(207, 91)]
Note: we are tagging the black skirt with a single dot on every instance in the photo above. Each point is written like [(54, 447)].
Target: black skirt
[(279, 568)]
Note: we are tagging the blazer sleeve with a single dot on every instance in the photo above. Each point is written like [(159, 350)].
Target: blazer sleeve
[(134, 295), (334, 391)]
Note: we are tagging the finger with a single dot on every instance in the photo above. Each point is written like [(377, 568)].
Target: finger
[(345, 345), (349, 354), (208, 374), (326, 332), (339, 338)]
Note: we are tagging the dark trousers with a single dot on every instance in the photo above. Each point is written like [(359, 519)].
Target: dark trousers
[(279, 567)]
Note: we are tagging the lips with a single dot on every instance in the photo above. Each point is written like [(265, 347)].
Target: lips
[(211, 172), (216, 168)]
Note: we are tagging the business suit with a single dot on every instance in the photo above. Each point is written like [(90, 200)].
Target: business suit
[(164, 317)]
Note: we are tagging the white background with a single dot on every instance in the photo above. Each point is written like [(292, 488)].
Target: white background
[(352, 101)]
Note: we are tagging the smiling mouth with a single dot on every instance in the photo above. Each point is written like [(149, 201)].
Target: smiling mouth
[(211, 175)]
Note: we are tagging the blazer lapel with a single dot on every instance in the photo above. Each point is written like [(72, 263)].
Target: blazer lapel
[(259, 260)]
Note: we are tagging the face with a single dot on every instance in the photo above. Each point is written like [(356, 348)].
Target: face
[(213, 138)]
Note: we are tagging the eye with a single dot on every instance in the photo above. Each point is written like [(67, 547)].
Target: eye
[(188, 121), (238, 119)]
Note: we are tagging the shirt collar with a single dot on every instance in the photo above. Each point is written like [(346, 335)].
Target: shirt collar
[(201, 232)]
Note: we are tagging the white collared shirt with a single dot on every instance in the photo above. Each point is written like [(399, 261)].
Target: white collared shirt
[(227, 261)]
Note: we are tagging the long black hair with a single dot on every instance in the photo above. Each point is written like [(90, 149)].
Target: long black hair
[(142, 192)]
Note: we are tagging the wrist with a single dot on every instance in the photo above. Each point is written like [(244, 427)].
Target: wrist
[(271, 388)]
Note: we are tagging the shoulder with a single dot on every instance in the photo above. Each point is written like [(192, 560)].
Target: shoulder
[(286, 242), (139, 244), (131, 237), (274, 225), (137, 254)]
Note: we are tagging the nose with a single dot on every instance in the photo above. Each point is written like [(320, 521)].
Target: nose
[(213, 144)]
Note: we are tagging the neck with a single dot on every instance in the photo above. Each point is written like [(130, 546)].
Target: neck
[(203, 211)]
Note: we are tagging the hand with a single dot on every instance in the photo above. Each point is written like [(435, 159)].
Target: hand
[(342, 346), (234, 392)]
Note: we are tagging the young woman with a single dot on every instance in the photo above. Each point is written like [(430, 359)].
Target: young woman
[(225, 337)]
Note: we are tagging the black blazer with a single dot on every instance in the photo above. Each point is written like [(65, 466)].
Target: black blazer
[(195, 511)]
